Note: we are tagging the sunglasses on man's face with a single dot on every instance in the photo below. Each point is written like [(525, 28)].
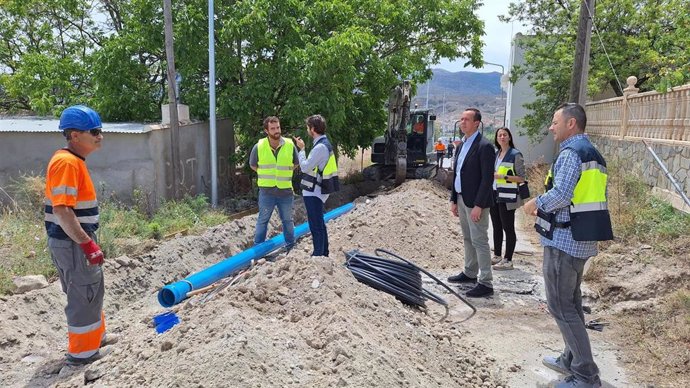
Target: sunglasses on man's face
[(95, 132)]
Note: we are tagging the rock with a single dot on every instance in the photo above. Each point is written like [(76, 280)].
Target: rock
[(32, 358), (28, 283), (94, 373), (315, 284), (166, 345), (124, 261)]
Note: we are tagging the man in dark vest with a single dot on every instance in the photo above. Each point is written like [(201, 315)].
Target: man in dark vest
[(319, 180), (572, 215)]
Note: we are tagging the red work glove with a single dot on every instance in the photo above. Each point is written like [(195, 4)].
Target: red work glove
[(93, 252)]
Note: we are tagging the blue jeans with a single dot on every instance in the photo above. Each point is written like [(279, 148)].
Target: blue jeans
[(266, 204), (562, 281), (317, 226)]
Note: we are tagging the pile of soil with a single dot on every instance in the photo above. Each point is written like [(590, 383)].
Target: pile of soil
[(297, 321)]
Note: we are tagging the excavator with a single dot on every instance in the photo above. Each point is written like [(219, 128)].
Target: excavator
[(406, 149)]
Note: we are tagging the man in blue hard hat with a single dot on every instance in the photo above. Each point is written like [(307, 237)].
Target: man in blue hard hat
[(71, 221)]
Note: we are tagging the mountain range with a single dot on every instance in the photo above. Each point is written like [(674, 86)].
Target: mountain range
[(449, 93)]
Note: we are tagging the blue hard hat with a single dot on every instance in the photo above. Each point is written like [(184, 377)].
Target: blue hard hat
[(79, 117)]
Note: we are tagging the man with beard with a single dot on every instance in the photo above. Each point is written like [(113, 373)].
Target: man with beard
[(274, 159)]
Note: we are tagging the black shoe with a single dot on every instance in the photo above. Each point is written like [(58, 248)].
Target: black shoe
[(479, 290), (461, 278)]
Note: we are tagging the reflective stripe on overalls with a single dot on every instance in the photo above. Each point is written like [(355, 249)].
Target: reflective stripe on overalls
[(272, 171), (507, 191), (589, 215), (328, 179)]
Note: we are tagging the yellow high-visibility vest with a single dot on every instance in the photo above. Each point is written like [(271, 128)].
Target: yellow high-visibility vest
[(589, 214), (327, 179), (272, 171), (507, 191)]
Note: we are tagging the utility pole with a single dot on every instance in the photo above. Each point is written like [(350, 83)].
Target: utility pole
[(174, 120), (212, 105), (578, 81)]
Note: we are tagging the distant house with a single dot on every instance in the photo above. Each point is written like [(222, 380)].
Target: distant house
[(134, 156), (519, 94)]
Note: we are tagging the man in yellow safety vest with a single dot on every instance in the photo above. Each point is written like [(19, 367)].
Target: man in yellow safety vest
[(572, 215), (274, 159)]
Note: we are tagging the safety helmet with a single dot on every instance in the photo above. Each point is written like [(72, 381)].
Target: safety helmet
[(79, 117)]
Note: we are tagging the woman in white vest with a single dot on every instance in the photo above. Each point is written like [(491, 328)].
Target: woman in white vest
[(509, 174)]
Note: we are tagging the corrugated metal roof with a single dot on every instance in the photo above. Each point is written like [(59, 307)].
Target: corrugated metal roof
[(38, 124)]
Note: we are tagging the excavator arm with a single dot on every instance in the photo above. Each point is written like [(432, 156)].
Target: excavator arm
[(398, 117)]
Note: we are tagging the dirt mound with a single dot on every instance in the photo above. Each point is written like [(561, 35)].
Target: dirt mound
[(648, 274), (298, 321)]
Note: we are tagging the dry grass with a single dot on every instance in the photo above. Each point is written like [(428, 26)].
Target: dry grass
[(659, 340), (348, 166)]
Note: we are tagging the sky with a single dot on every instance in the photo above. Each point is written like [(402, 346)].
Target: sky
[(496, 41)]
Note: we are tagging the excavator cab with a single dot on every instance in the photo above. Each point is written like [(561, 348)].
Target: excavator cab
[(406, 149), (420, 137)]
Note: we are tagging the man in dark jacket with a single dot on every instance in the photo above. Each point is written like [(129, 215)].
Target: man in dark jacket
[(471, 198)]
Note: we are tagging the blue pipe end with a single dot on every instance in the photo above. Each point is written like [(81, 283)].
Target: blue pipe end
[(173, 294)]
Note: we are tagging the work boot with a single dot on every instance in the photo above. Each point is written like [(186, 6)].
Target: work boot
[(575, 382), (109, 339), (556, 364), (74, 361), (461, 278), (504, 265)]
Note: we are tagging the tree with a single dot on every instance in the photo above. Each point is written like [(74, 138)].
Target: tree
[(42, 56), (290, 58), (339, 58), (646, 38)]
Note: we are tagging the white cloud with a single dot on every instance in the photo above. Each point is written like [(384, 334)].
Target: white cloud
[(497, 39)]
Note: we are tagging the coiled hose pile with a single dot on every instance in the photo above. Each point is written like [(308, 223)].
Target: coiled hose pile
[(400, 278)]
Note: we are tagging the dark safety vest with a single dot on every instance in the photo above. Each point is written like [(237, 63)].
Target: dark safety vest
[(275, 171), (328, 178), (507, 191), (589, 213)]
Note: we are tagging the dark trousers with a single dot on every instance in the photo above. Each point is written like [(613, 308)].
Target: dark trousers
[(503, 220), (317, 226)]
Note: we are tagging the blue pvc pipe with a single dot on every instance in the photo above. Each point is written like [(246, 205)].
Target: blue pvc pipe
[(175, 293)]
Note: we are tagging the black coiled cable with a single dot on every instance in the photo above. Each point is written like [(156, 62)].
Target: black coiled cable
[(400, 278)]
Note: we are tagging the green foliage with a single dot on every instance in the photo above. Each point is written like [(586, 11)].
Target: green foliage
[(290, 58), (647, 39), (23, 246)]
